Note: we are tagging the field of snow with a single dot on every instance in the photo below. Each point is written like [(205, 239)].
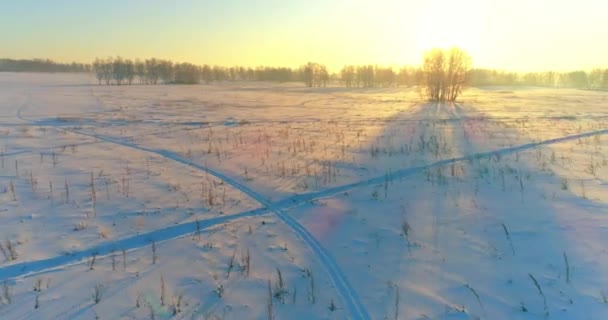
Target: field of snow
[(274, 201)]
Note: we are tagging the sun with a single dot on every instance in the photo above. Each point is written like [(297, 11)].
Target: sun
[(445, 24)]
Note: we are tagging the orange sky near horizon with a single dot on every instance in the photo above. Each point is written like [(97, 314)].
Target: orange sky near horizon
[(518, 35)]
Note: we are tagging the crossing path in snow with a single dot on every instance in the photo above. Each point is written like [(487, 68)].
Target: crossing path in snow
[(348, 294)]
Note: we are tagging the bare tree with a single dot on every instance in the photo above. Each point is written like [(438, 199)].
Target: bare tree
[(445, 73), (385, 76), (98, 69), (365, 76), (152, 71), (347, 75), (140, 71), (206, 74), (308, 74), (41, 65), (323, 76), (595, 79), (187, 73), (314, 74), (165, 68), (219, 73), (129, 71), (433, 69), (107, 70), (118, 70), (458, 68)]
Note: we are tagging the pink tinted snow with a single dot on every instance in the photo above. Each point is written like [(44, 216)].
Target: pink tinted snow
[(323, 220)]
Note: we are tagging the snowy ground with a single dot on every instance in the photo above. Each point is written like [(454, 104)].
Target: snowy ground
[(259, 201)]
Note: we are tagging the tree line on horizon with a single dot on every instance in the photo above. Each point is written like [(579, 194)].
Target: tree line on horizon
[(158, 71), (119, 71), (596, 79), (41, 65)]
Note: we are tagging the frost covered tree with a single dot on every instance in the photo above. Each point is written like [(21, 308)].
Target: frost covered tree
[(166, 71), (385, 76), (129, 71), (445, 73), (98, 69), (323, 76), (107, 70), (347, 75), (140, 71), (41, 65), (152, 71), (314, 74), (219, 73), (118, 70), (577, 79), (187, 73), (207, 74), (409, 76), (366, 76), (308, 74)]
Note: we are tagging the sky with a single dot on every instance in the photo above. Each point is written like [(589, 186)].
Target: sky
[(518, 35)]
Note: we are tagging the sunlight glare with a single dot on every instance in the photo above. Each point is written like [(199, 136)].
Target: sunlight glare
[(445, 24)]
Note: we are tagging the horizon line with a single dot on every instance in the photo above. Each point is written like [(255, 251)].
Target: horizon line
[(333, 70)]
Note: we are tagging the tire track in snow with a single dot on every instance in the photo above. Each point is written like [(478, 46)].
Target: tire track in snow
[(398, 174), (39, 151), (348, 294), (29, 268)]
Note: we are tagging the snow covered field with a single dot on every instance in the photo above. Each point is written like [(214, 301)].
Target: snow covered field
[(274, 201)]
